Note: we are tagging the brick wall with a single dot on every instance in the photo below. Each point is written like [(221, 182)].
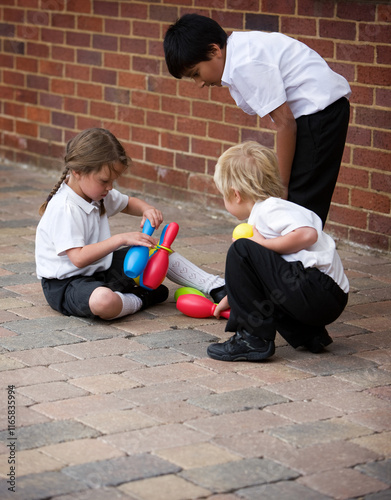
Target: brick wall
[(66, 65)]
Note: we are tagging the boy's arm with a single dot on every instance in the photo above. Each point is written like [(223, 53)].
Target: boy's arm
[(285, 124), (296, 240)]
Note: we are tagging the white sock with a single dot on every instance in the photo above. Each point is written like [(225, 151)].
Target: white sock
[(130, 304), (185, 273)]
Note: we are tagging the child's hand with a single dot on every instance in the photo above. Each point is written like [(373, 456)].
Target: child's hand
[(154, 216), (257, 236), (139, 239), (221, 306)]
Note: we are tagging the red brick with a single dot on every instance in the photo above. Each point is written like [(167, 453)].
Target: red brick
[(337, 29), (102, 8), (37, 18), (380, 224), (206, 148), (229, 19), (207, 110), (13, 15), (145, 65), (102, 110), (202, 184), (384, 13), (132, 81), (317, 9), (383, 97), (372, 159), (78, 39), (353, 177), (134, 10), (145, 100), (6, 124), (375, 33), (37, 82), (382, 140), (374, 75), (50, 68), (67, 21), (298, 26), (27, 64), (362, 95), (278, 7), (370, 240), (52, 36), (355, 52), (104, 42), (89, 57), (118, 27), (131, 115), (89, 91), (174, 142), (84, 7), (190, 162), (116, 61), (65, 87), (383, 54), (89, 23), (265, 138), (175, 105), (173, 177), (38, 115), (236, 116), (372, 117), (37, 50), (156, 48), (66, 120), (144, 170), (189, 126), (223, 132), (159, 157), (133, 45), (161, 85), (357, 12), (105, 76), (74, 105), (245, 5), (13, 78), (145, 136), (27, 32), (63, 54), (146, 29), (341, 195), (370, 201), (349, 216), (50, 133), (26, 128), (15, 110), (6, 61), (77, 72), (381, 182), (361, 136), (162, 13), (325, 48)]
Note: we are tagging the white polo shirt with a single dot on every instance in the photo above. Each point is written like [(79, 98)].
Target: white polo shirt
[(276, 217), (71, 222), (264, 70)]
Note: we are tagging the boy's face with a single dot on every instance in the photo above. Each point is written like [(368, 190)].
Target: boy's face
[(209, 73)]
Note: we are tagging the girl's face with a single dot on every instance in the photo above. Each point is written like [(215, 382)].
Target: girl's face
[(96, 185)]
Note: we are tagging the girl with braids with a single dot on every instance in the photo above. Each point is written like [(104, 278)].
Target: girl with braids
[(79, 263)]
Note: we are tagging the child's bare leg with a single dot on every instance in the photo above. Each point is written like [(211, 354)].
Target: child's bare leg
[(109, 305)]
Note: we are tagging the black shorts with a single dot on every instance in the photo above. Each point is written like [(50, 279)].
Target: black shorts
[(70, 296)]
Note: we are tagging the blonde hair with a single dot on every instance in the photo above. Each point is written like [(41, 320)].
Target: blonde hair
[(251, 169), (88, 152)]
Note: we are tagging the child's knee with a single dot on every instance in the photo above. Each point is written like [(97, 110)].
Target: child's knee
[(102, 301)]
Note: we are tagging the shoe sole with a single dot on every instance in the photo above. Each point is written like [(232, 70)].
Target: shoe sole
[(249, 356)]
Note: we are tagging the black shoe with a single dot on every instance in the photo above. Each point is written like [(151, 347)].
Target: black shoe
[(242, 347), (318, 343), (218, 294), (151, 297)]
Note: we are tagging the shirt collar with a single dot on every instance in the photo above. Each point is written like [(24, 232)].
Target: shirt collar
[(88, 207)]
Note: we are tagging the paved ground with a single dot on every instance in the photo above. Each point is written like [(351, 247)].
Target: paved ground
[(134, 409)]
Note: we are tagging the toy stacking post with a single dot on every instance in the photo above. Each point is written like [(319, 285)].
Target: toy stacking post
[(157, 266), (137, 257), (196, 306)]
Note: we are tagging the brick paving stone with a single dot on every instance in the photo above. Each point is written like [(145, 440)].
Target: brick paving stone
[(81, 451), (304, 411), (382, 357), (37, 340), (42, 325), (197, 455), (382, 392), (334, 364), (42, 434), (172, 338), (120, 470), (380, 470), (273, 373), (334, 455), (114, 421), (41, 356), (96, 331), (239, 422), (41, 486), (51, 391), (283, 490), (235, 475), (157, 357), (354, 401), (168, 487), (238, 400), (174, 411), (101, 494), (319, 432), (343, 484), (7, 363), (371, 377), (95, 366), (379, 443), (99, 348), (167, 391), (150, 439), (227, 382), (107, 383), (82, 405), (30, 376), (34, 462), (177, 371), (379, 420)]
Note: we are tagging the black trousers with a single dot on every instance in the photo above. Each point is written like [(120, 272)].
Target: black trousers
[(70, 296), (266, 293), (319, 148)]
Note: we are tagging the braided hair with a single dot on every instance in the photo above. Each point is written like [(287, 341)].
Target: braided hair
[(88, 152)]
